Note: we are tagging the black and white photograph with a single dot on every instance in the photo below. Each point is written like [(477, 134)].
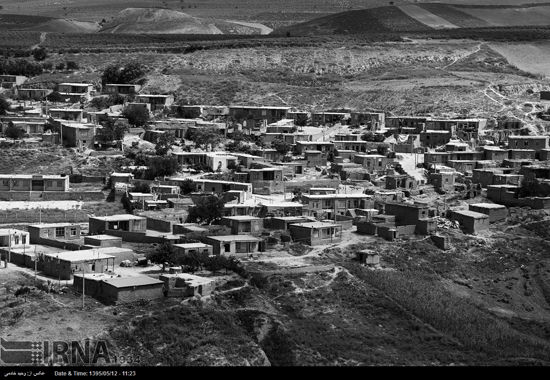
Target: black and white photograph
[(273, 183)]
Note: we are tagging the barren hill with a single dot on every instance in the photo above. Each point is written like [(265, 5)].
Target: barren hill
[(423, 16), (158, 21), (45, 24)]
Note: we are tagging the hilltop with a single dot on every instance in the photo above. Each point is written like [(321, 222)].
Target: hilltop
[(422, 17), (45, 24)]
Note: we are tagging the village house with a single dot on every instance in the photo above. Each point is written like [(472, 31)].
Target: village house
[(192, 248), (190, 158), (283, 222), (41, 233), (220, 162), (114, 290), (121, 89), (31, 126), (368, 257), (496, 212), (323, 146), (122, 222), (33, 182), (187, 285), (266, 180), (358, 146), (319, 119), (373, 162), (443, 180), (74, 134), (494, 153), (243, 224), (434, 138), (316, 233), (69, 114), (315, 158), (11, 81), (414, 124), (535, 143), (234, 245), (218, 186), (13, 238), (157, 102), (410, 214), (330, 205), (270, 114), (121, 180), (63, 265), (402, 181), (471, 221), (33, 93), (75, 92), (372, 120), (103, 241)]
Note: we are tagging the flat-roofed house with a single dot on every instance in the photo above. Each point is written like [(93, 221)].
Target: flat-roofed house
[(234, 245), (114, 290), (269, 113), (157, 102), (121, 89), (535, 143), (243, 224), (33, 182), (11, 237), (58, 231), (70, 114), (328, 205), (62, 265), (193, 248), (122, 222), (11, 81), (75, 92), (495, 211), (471, 221), (316, 233), (33, 93)]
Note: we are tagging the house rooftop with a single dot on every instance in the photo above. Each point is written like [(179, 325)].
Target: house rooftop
[(229, 238), (52, 225), (88, 254), (119, 217), (192, 245), (315, 224), (336, 196), (242, 217), (472, 214), (488, 205), (129, 282), (104, 237)]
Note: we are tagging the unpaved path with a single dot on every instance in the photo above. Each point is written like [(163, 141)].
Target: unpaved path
[(261, 27)]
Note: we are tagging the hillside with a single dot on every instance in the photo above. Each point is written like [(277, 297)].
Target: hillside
[(423, 16), (157, 21), (45, 24)]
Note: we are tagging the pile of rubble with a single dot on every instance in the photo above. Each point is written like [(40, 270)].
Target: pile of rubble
[(446, 223)]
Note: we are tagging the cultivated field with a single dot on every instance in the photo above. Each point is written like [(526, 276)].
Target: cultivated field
[(533, 57)]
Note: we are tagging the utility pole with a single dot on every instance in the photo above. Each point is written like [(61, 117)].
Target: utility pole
[(9, 247), (83, 284), (35, 264)]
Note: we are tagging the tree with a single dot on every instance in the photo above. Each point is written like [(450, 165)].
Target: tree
[(123, 74), (205, 136), (54, 97), (161, 166), (72, 65), (39, 54), (164, 144), (141, 187), (207, 209), (301, 120), (138, 116), (382, 149), (281, 146), (112, 131), (4, 105), (103, 102), (14, 132), (164, 253), (60, 66), (188, 186)]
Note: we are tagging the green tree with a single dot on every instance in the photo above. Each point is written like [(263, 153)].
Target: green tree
[(72, 65), (188, 186), (301, 120), (138, 116), (164, 253), (205, 136), (54, 97), (4, 105), (14, 132), (161, 166), (112, 131), (164, 144), (39, 54), (281, 146), (60, 66), (123, 74), (207, 209)]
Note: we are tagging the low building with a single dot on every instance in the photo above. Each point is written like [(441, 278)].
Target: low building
[(33, 93), (316, 233), (234, 245), (243, 224), (434, 139), (122, 222), (157, 102), (329, 118), (76, 92), (193, 248), (496, 212), (13, 238), (471, 221), (113, 290), (69, 114), (58, 231), (218, 186), (368, 257), (187, 284), (327, 205), (103, 241), (535, 143), (283, 222), (11, 81), (33, 182), (121, 89), (63, 265)]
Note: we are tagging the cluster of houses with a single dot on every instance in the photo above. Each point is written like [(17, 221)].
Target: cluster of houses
[(332, 183)]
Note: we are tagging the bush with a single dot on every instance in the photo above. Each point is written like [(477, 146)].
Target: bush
[(54, 97), (71, 65), (126, 74), (39, 54), (138, 116), (14, 132), (4, 105)]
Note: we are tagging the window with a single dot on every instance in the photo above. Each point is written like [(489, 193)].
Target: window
[(59, 232), (227, 247), (16, 239), (6, 182), (73, 231), (24, 239)]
